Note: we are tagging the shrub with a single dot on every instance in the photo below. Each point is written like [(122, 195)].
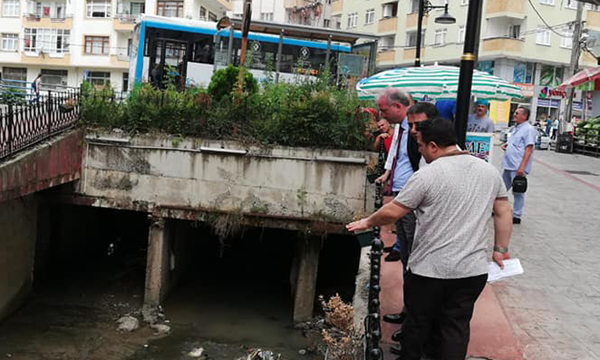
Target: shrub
[(225, 80)]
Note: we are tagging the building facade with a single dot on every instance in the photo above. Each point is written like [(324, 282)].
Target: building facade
[(68, 41), (527, 43), (304, 12)]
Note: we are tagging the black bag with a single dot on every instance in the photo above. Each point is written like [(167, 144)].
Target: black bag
[(519, 184)]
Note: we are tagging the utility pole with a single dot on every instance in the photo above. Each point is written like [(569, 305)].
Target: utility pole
[(575, 52)]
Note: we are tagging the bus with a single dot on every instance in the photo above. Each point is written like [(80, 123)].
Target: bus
[(194, 49)]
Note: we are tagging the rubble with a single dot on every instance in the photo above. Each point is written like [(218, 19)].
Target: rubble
[(128, 323)]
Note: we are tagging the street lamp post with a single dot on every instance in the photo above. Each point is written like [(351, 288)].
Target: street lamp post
[(467, 65), (424, 8)]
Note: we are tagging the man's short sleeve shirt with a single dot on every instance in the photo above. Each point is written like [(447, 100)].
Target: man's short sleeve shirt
[(522, 135)]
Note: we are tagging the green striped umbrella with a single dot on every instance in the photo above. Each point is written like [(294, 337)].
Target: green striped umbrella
[(436, 82)]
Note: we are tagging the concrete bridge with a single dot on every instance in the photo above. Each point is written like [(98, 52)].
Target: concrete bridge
[(223, 183)]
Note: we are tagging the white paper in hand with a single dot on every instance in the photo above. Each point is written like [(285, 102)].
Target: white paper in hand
[(511, 267)]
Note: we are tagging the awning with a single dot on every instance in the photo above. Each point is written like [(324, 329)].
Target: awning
[(582, 77), (304, 32)]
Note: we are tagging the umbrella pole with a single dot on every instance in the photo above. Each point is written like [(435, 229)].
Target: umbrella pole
[(467, 65)]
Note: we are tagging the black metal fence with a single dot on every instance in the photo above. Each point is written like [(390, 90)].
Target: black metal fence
[(25, 123)]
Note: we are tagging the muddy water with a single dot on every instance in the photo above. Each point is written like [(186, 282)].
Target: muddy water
[(220, 306)]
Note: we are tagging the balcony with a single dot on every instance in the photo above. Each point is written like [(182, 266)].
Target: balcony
[(503, 45), (290, 4), (119, 61), (592, 20), (220, 5), (337, 6), (33, 21), (123, 22), (387, 25), (501, 8), (45, 59), (410, 53), (386, 56), (411, 21)]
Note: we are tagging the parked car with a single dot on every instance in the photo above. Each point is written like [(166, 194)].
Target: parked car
[(542, 141)]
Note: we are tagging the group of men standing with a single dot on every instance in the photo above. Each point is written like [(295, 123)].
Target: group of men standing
[(442, 203)]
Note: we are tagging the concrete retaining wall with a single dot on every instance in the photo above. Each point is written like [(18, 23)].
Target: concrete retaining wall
[(161, 171), (18, 231)]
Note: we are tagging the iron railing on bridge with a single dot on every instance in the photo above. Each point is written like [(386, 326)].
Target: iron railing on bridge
[(24, 123)]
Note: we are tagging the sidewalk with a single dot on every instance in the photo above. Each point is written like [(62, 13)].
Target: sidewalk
[(491, 335)]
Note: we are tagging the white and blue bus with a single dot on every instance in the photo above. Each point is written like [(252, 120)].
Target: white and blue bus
[(195, 49)]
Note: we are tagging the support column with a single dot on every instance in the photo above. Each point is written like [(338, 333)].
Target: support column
[(307, 254), (157, 263)]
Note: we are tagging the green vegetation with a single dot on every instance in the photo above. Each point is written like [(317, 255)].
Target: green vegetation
[(309, 113)]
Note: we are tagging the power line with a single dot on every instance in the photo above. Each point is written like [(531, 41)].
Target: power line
[(541, 18)]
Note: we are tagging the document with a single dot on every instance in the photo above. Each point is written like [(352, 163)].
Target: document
[(511, 267)]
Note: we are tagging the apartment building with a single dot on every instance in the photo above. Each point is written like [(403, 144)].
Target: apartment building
[(68, 41), (525, 42), (304, 12)]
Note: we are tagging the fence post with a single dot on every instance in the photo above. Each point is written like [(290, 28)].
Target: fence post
[(49, 112), (10, 127)]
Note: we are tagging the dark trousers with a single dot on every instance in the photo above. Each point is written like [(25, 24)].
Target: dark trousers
[(445, 305)]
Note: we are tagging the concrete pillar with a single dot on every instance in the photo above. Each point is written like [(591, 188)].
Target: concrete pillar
[(157, 263), (307, 259)]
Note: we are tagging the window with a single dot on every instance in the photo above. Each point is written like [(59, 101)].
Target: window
[(96, 45), (514, 31), (461, 35), (326, 23), (464, 2), (566, 40), (352, 20), (54, 41), (571, 4), (543, 36), (440, 36), (53, 10), (212, 17), (125, 82), (54, 78), (98, 8), (10, 42), (137, 9), (266, 16), (390, 10), (170, 8), (593, 7), (414, 6), (370, 16), (98, 78), (523, 73), (411, 38), (547, 2), (203, 13), (387, 43), (17, 74), (11, 7)]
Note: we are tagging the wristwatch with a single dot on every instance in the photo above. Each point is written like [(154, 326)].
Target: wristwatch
[(501, 249)]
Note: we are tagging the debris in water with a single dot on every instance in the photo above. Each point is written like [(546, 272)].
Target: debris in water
[(259, 354), (8, 355), (160, 328), (196, 352), (151, 314), (128, 323), (302, 352)]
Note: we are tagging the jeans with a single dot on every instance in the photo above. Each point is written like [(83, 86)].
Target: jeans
[(405, 233), (508, 176), (442, 308)]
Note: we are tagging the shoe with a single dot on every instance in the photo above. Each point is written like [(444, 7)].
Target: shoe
[(388, 249), (397, 318), (516, 220), (394, 255), (396, 349), (397, 335)]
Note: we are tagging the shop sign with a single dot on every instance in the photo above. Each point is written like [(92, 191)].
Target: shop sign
[(526, 89), (548, 103), (548, 93), (480, 145)]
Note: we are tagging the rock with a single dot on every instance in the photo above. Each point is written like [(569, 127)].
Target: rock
[(196, 352), (160, 328), (150, 314), (128, 323), (302, 352)]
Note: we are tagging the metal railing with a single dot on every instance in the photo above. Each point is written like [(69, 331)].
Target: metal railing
[(25, 123), (372, 320)]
